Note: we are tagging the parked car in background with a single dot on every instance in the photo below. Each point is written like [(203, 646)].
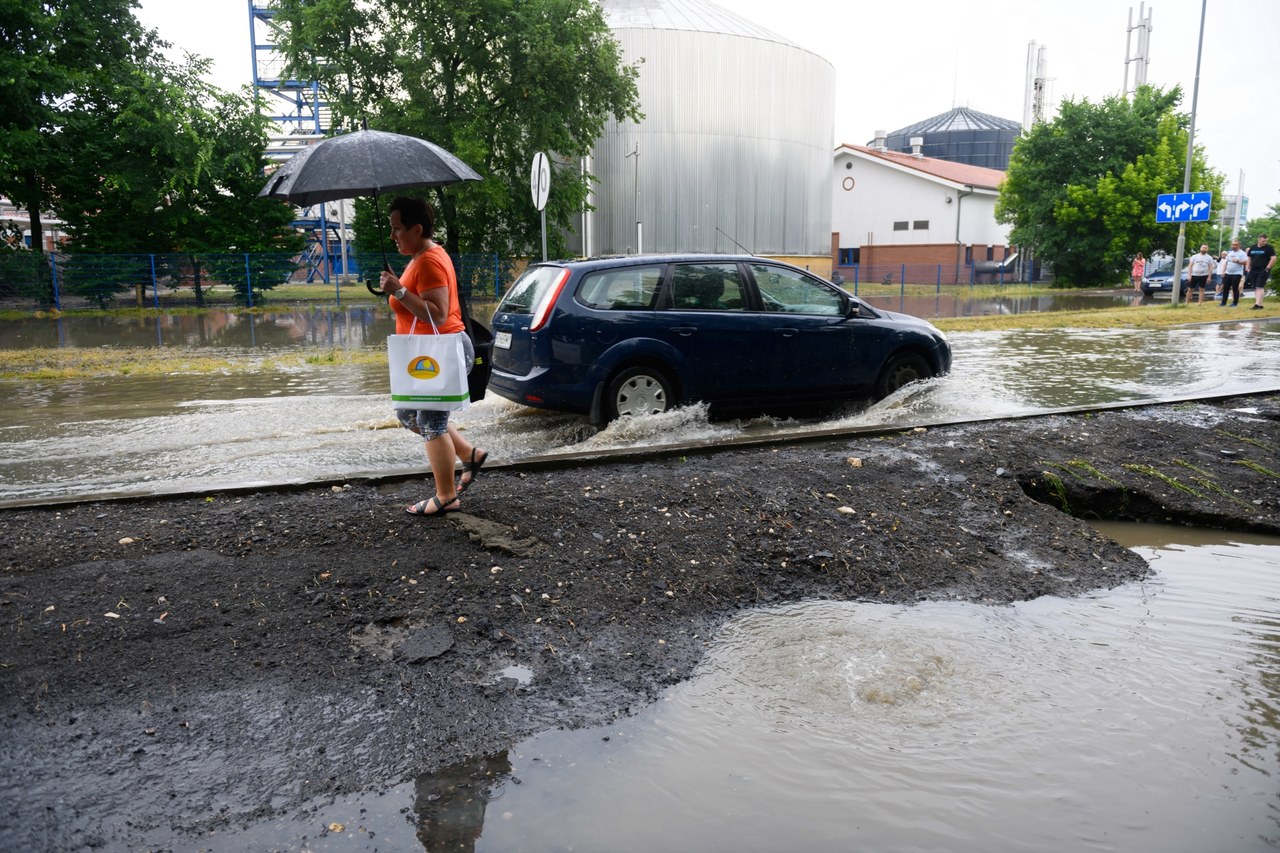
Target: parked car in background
[(626, 336), (1159, 277)]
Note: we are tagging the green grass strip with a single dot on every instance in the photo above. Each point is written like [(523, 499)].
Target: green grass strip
[(1185, 464), (1172, 482), (1058, 489), (1259, 468)]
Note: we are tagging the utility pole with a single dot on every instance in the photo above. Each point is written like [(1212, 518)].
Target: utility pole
[(635, 204), (1186, 172), (1235, 226)]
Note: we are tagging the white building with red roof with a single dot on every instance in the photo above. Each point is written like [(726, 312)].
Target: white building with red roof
[(890, 208)]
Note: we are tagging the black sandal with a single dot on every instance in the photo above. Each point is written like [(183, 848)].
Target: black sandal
[(441, 507), (473, 468)]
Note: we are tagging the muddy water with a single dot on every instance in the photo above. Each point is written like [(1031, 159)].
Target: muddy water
[(954, 302), (146, 435), (299, 327), (1139, 718), (370, 324)]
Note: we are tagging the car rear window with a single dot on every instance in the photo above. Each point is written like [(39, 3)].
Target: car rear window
[(525, 295), (628, 289)]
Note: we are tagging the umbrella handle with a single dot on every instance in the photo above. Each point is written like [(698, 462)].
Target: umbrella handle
[(377, 291)]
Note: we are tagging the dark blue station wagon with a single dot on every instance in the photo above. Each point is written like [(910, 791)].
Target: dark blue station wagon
[(612, 337)]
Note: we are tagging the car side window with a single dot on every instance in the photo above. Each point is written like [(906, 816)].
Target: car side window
[(707, 287), (626, 289), (786, 291)]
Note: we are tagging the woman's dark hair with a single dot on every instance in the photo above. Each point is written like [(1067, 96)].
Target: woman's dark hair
[(414, 211)]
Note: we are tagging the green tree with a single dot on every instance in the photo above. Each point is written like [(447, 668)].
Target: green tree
[(1268, 223), (51, 54), (1080, 191), (166, 163), (493, 81)]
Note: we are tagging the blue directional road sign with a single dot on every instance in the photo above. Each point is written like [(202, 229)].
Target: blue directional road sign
[(1183, 207)]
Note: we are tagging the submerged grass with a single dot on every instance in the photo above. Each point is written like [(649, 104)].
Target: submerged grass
[(1132, 317), (48, 364)]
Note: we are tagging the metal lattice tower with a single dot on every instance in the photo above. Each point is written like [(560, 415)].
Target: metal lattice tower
[(301, 117), (1037, 88)]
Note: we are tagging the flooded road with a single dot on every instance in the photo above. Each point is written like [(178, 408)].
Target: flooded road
[(1139, 718), (150, 435)]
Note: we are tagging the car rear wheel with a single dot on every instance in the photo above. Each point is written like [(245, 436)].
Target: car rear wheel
[(638, 391), (902, 369)]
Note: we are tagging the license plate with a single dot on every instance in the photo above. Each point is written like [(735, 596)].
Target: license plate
[(502, 340)]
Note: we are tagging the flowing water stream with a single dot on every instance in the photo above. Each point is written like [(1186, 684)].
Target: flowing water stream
[(151, 435), (1139, 718)]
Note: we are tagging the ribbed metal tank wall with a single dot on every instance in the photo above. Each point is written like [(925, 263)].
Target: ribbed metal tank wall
[(734, 151)]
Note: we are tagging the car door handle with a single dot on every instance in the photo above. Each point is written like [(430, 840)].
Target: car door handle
[(684, 331), (787, 331)]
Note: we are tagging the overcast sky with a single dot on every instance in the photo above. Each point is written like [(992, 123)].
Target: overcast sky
[(898, 63)]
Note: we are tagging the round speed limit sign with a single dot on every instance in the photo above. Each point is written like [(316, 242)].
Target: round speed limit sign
[(540, 180)]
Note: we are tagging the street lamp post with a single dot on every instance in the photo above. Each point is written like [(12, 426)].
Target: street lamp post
[(1186, 172)]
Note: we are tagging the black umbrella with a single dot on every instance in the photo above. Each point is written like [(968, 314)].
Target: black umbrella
[(367, 162)]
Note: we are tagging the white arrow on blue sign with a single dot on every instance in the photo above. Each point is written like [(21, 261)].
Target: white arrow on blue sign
[(1183, 207)]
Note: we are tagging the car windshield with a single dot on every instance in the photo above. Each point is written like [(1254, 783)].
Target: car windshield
[(527, 292)]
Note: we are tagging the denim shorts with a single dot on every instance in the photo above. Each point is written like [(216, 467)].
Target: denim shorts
[(429, 424)]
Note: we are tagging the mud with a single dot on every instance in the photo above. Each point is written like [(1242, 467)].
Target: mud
[(199, 663)]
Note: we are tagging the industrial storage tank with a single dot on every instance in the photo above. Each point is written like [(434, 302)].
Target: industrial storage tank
[(959, 136), (734, 151)]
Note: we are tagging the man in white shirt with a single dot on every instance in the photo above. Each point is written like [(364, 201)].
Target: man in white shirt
[(1234, 271), (1199, 268)]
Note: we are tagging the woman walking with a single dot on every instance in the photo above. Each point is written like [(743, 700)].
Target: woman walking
[(428, 292)]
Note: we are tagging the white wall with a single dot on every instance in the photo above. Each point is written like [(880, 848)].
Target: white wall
[(882, 194)]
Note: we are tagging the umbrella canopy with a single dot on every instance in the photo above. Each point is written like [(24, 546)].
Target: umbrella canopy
[(367, 162)]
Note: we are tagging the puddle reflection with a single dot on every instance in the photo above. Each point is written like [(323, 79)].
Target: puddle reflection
[(450, 804)]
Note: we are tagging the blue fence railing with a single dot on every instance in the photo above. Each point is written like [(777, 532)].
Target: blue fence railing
[(71, 280), (855, 276)]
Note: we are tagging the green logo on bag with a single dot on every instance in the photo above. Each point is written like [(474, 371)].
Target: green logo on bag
[(424, 367)]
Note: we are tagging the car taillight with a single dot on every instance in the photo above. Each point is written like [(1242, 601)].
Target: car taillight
[(544, 307)]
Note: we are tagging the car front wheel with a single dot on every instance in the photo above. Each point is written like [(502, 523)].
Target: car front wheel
[(638, 391), (901, 370)]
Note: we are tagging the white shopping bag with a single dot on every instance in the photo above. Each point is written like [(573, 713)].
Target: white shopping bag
[(428, 372)]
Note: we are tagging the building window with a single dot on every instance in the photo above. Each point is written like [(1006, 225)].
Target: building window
[(848, 257), (968, 254), (991, 253), (920, 225), (900, 226)]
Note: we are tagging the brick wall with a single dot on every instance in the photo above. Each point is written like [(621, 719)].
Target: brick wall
[(947, 255)]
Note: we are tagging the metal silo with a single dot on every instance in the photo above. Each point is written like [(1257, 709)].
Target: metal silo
[(734, 152), (960, 136)]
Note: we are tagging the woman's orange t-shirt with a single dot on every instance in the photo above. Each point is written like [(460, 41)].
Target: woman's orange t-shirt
[(432, 269)]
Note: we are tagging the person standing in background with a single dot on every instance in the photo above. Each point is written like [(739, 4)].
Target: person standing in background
[(1262, 258), (1236, 260), (1138, 271), (1199, 268)]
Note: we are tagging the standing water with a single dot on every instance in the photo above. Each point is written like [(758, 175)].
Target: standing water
[(1139, 718)]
